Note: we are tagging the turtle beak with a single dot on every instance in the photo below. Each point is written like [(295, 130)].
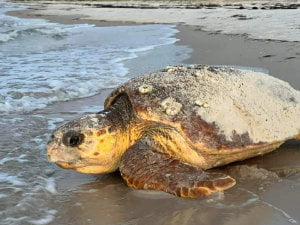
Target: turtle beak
[(52, 149), (63, 156), (64, 165), (57, 156), (52, 153)]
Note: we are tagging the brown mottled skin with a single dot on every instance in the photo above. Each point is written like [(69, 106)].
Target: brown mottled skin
[(152, 150)]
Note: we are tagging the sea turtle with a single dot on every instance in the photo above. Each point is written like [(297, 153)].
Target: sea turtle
[(164, 130)]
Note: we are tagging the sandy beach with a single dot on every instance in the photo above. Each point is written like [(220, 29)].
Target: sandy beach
[(267, 190)]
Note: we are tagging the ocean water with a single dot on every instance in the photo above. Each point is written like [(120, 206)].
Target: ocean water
[(46, 62), (46, 68)]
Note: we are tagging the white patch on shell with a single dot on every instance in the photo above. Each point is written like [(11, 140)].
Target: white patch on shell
[(250, 102), (145, 88)]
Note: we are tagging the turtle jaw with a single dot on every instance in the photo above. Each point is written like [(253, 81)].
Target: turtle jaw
[(62, 156), (75, 162), (87, 168), (83, 168), (95, 169), (64, 165), (54, 156)]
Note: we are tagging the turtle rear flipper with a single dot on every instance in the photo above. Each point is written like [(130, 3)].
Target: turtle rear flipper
[(143, 167)]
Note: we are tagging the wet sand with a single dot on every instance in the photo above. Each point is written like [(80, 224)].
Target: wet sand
[(268, 187), (280, 59)]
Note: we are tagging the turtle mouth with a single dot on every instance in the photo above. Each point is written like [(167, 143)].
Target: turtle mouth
[(66, 165), (90, 168), (76, 164), (63, 157)]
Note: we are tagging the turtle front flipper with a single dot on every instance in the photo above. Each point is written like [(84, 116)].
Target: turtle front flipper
[(143, 167)]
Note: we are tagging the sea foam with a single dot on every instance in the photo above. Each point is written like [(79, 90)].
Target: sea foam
[(70, 61)]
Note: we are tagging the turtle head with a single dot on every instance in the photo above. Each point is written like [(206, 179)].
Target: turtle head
[(87, 145)]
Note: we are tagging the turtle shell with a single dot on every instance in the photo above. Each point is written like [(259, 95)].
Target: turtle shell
[(216, 108)]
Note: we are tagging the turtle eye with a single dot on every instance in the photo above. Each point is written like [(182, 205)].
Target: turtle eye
[(72, 138)]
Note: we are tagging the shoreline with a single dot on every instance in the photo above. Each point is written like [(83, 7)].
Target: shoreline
[(234, 17), (66, 19), (280, 58)]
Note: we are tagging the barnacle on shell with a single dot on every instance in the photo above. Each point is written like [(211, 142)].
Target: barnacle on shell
[(145, 88), (166, 103), (170, 106), (174, 109)]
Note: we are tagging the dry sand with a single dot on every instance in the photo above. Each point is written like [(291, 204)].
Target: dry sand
[(281, 59), (269, 197)]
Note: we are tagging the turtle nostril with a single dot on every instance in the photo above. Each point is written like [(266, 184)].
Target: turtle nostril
[(72, 138)]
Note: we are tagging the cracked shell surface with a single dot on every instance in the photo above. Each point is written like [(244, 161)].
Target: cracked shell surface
[(236, 108)]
